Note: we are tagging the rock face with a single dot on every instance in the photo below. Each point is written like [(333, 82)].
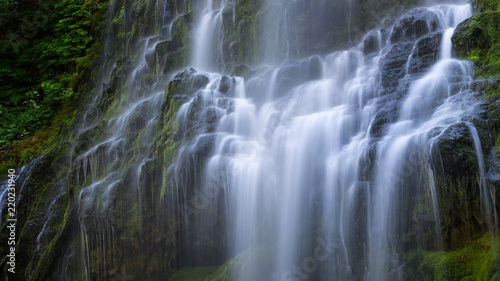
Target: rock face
[(414, 25), (425, 53), (140, 205), (393, 64), (477, 39), (372, 43)]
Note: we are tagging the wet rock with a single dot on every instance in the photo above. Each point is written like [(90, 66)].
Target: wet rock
[(84, 141), (172, 54), (315, 68), (457, 176), (456, 149), (414, 25), (181, 28), (161, 50), (425, 53), (41, 212), (119, 75), (179, 91), (387, 114), (226, 84), (187, 82), (139, 118), (203, 144), (212, 117), (393, 64), (478, 33), (228, 50), (241, 70), (174, 61), (478, 39), (371, 43), (486, 85)]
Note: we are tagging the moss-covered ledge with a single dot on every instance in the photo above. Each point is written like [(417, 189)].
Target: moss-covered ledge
[(478, 260), (478, 39)]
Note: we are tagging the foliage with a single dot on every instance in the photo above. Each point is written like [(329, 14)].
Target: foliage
[(40, 45)]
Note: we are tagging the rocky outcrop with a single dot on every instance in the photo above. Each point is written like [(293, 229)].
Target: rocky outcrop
[(477, 39), (172, 54), (130, 203), (414, 25), (393, 64), (425, 53)]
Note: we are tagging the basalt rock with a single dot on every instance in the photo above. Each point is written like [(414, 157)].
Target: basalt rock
[(371, 44), (414, 25), (425, 53), (393, 64)]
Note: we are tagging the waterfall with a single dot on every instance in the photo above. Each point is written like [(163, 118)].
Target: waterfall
[(323, 167), (208, 37), (295, 163)]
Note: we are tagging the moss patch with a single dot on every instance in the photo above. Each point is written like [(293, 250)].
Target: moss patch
[(242, 267), (478, 39), (478, 260), (193, 274), (487, 5)]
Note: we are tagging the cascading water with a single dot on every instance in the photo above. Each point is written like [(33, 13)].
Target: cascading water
[(322, 168), (209, 37), (309, 168)]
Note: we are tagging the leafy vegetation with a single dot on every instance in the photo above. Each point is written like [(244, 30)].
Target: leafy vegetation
[(40, 43)]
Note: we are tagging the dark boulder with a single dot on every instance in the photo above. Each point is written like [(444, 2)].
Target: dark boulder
[(241, 70), (478, 39), (414, 25), (187, 82), (393, 64), (478, 33), (84, 140), (425, 53), (387, 114), (203, 145), (371, 44), (212, 117), (226, 84), (457, 152)]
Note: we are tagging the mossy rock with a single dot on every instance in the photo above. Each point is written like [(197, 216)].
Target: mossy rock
[(42, 214), (241, 70), (478, 260), (486, 5), (478, 39), (193, 274), (169, 135), (242, 267)]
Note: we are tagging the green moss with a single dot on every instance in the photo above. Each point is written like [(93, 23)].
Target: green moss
[(178, 90), (246, 31), (169, 128), (193, 274), (175, 60), (487, 5), (478, 260), (478, 39), (491, 90), (242, 267)]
